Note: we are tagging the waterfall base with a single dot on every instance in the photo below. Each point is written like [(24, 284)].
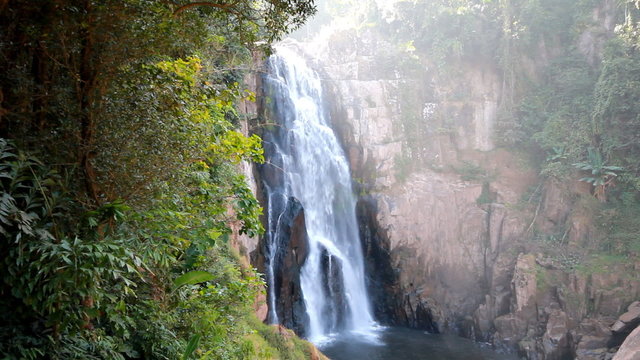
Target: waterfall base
[(403, 343)]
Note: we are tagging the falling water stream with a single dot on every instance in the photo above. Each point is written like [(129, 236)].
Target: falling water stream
[(316, 173), (309, 168)]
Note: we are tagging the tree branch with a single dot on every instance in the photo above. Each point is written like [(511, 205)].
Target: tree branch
[(226, 7)]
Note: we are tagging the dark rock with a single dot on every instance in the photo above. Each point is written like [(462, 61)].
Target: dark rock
[(381, 278), (418, 313), (293, 243), (333, 282), (391, 305)]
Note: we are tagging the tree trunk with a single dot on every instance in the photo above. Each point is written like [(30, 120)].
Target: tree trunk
[(86, 92)]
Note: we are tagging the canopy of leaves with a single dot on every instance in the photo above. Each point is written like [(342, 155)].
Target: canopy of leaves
[(119, 155)]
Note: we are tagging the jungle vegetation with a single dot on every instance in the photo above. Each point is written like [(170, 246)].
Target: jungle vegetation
[(121, 195), (119, 152)]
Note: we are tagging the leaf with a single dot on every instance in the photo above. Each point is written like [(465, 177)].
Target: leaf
[(193, 277), (192, 345), (92, 222)]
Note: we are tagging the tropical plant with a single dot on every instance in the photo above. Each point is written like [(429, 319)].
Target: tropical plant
[(602, 176), (130, 107)]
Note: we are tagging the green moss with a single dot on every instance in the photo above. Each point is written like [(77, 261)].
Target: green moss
[(600, 264), (268, 340), (542, 279)]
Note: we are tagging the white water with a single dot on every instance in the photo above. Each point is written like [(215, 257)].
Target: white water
[(316, 172)]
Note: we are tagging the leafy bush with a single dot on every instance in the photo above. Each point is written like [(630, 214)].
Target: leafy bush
[(130, 108)]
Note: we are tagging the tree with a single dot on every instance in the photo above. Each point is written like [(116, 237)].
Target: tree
[(120, 174), (277, 17)]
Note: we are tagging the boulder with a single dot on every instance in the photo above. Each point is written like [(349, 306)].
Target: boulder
[(591, 334), (625, 324), (510, 329), (632, 314), (593, 354), (629, 320), (630, 349), (293, 244), (555, 340)]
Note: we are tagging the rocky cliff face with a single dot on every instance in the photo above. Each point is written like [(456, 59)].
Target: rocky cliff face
[(293, 238), (458, 232)]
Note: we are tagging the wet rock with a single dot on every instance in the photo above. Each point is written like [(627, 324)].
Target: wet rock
[(418, 314), (591, 342), (334, 286), (293, 246), (573, 296), (632, 314), (530, 348), (381, 277), (483, 317)]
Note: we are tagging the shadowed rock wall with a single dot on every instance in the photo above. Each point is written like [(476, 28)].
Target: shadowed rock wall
[(455, 230)]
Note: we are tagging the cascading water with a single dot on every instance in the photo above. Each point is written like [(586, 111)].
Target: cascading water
[(308, 164)]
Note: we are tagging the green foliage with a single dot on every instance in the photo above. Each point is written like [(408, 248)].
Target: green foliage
[(601, 175), (106, 294), (33, 196), (554, 116), (130, 107), (601, 264), (620, 226), (192, 278), (98, 274), (447, 30), (615, 116), (564, 112), (279, 346), (549, 20), (192, 345)]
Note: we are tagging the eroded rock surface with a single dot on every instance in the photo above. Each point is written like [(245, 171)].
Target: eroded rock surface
[(293, 239), (452, 225)]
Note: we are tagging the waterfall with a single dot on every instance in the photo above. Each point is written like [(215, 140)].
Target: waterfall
[(308, 164)]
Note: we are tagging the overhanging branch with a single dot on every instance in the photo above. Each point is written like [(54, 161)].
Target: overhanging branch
[(226, 7)]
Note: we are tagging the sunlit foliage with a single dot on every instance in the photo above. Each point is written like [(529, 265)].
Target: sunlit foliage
[(119, 152)]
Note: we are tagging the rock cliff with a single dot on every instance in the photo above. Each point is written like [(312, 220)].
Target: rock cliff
[(462, 236)]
